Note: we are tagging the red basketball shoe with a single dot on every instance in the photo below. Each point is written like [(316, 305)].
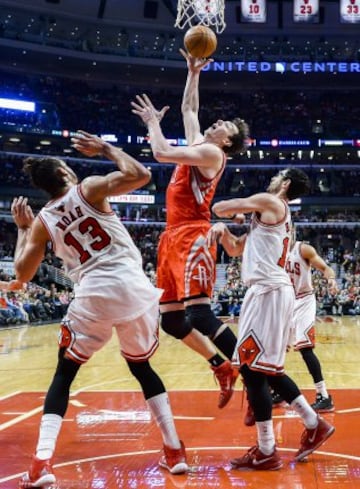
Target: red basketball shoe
[(40, 475), (226, 376), (256, 460), (174, 460), (312, 439)]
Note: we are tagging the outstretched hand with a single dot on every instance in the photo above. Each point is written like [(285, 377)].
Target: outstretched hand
[(145, 109), (332, 286), (215, 233), (195, 64), (22, 213), (88, 144)]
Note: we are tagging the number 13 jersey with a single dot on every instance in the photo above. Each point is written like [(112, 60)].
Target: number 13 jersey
[(98, 253)]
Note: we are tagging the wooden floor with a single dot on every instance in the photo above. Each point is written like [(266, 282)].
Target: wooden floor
[(109, 441)]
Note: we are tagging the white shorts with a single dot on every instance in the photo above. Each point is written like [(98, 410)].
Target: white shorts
[(265, 323), (304, 322), (87, 327)]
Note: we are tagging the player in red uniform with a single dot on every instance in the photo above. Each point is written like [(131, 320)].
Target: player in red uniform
[(186, 265)]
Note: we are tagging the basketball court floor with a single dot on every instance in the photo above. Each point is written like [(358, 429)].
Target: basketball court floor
[(109, 441)]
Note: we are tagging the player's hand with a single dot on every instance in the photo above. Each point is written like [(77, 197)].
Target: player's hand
[(215, 233), (22, 213), (332, 286), (195, 64), (144, 108), (88, 144)]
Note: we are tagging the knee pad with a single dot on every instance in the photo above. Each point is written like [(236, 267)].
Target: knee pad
[(203, 319), (175, 324)]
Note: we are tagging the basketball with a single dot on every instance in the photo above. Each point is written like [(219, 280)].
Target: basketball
[(200, 41)]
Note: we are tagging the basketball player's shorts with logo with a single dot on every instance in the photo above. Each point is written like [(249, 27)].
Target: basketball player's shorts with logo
[(186, 265), (131, 307), (265, 324), (304, 322)]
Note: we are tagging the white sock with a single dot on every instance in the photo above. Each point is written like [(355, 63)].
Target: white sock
[(266, 436), (161, 410), (305, 411), (49, 430), (321, 388)]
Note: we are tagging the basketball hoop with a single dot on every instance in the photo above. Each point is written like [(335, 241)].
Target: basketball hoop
[(204, 12)]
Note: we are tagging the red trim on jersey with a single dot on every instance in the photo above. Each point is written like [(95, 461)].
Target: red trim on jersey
[(52, 201), (43, 222), (304, 294), (275, 370), (75, 355), (264, 224), (81, 195), (143, 356)]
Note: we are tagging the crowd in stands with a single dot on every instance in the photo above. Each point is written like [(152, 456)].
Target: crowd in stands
[(35, 305), (227, 299), (247, 181), (45, 301), (294, 113)]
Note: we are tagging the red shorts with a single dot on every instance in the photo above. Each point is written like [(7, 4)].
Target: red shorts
[(186, 265)]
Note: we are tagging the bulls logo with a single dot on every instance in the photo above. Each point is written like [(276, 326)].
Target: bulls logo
[(64, 337), (248, 350)]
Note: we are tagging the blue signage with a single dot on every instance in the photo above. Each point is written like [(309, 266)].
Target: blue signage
[(285, 67)]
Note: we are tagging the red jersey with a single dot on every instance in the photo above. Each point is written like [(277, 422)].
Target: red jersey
[(189, 195)]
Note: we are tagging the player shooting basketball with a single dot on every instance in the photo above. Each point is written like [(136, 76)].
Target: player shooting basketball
[(186, 264)]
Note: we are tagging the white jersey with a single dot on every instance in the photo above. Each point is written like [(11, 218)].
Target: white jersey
[(299, 271), (265, 252), (98, 253)]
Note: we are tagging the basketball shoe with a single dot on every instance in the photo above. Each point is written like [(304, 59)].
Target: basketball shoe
[(226, 376), (323, 404), (40, 475), (256, 460), (311, 439), (174, 460)]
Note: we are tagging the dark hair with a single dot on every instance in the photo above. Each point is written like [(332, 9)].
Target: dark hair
[(300, 183), (240, 141), (44, 175)]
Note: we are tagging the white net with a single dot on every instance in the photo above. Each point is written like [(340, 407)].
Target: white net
[(203, 12)]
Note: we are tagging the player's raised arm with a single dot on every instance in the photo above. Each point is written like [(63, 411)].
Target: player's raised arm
[(190, 100), (31, 241), (309, 253), (232, 244), (131, 175), (206, 155)]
